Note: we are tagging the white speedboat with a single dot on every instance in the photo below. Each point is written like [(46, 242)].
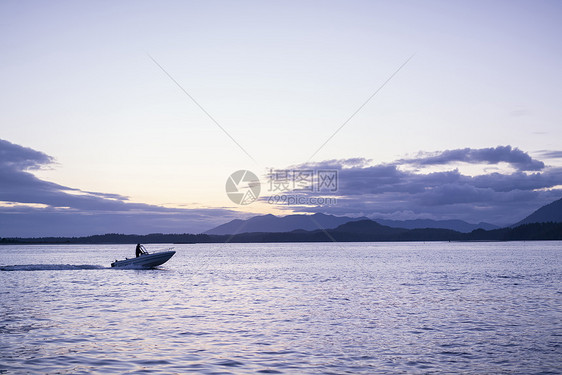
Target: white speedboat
[(145, 260)]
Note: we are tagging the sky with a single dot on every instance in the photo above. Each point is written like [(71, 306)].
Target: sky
[(130, 116)]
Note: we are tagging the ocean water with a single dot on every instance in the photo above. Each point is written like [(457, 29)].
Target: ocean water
[(321, 308)]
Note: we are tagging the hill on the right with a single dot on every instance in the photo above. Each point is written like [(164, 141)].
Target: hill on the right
[(550, 212)]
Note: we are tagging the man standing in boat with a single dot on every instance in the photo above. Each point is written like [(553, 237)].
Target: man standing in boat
[(140, 250)]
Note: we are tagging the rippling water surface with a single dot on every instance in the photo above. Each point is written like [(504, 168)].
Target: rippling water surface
[(284, 308)]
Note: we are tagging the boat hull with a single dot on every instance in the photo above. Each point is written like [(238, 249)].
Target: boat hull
[(145, 260)]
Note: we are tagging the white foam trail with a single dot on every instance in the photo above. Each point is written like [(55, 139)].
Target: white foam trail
[(51, 267)]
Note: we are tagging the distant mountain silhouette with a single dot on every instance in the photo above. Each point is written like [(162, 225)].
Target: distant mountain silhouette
[(354, 231), (289, 223), (274, 224), (543, 224), (458, 225), (371, 231), (550, 213)]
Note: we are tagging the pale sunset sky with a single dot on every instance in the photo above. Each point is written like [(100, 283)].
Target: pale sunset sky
[(95, 137)]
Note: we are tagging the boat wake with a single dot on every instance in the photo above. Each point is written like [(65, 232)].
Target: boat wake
[(51, 267)]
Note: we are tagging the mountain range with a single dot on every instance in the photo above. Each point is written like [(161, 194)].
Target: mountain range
[(371, 231), (551, 212), (274, 224), (457, 225), (543, 224), (353, 231)]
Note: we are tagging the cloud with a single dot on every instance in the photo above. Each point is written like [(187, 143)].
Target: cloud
[(516, 158), (18, 185), (548, 154), (42, 208), (387, 191), (20, 158), (45, 208)]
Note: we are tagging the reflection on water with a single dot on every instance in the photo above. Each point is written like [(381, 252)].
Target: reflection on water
[(284, 308)]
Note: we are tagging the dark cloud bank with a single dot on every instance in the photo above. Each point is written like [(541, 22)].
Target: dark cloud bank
[(365, 189), (399, 191), (66, 211), (516, 158)]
